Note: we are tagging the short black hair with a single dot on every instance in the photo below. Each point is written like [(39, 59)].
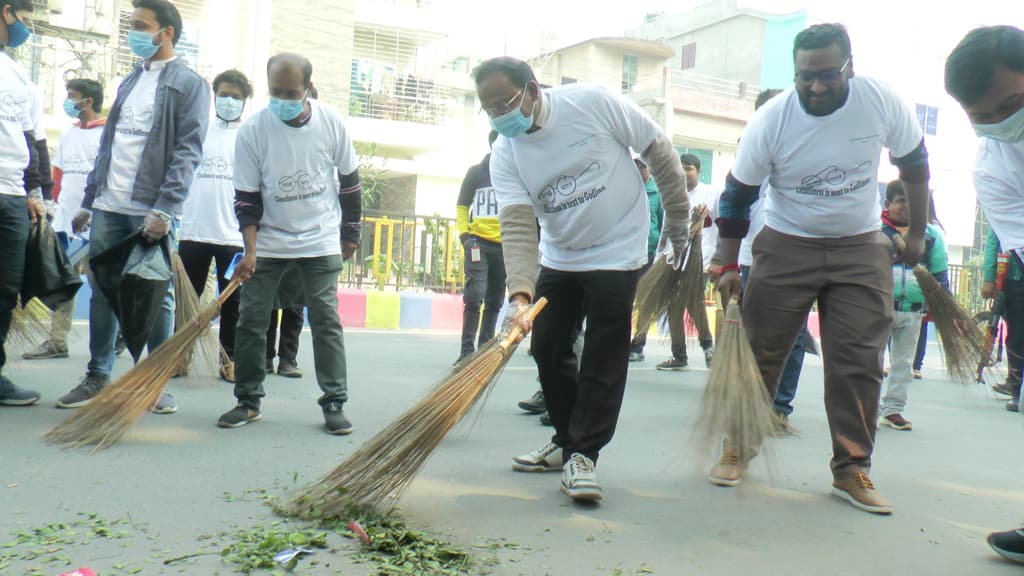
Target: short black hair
[(690, 160), (88, 89), (18, 5), (894, 189), (518, 72), (972, 64), (294, 59), (166, 15), (233, 77), (765, 96), (823, 36)]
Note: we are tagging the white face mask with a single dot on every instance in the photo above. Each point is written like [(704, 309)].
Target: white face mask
[(1009, 130)]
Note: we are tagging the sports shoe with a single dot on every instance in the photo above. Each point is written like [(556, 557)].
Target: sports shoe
[(579, 478), (896, 422), (165, 405), (545, 419), (120, 345), (270, 366), (535, 404), (227, 372), (782, 427), (1013, 405), (672, 365), (12, 395), (546, 459), (462, 358), (636, 356), (47, 350), (1005, 389), (917, 375), (1009, 544), (88, 387), (729, 469), (335, 420), (709, 355), (859, 491), (239, 416), (288, 369)]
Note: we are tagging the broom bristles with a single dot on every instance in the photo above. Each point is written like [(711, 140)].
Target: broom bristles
[(736, 407), (663, 289), (30, 327), (963, 343), (382, 469), (206, 354)]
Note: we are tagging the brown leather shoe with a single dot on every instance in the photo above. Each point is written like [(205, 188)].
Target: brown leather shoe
[(227, 372), (859, 491), (728, 470)]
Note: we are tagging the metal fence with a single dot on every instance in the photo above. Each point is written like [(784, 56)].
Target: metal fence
[(965, 283)]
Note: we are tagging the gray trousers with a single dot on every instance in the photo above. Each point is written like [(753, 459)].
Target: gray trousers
[(906, 327), (320, 287)]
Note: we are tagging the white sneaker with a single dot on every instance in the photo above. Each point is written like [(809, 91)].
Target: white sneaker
[(545, 459), (579, 479)]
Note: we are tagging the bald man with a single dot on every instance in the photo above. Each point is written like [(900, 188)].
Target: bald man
[(289, 209)]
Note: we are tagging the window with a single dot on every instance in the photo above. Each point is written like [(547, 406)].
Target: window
[(688, 56), (630, 71), (928, 118), (568, 80)]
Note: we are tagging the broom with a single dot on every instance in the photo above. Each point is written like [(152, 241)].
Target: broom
[(963, 343), (660, 290), (691, 292), (384, 466), (104, 420), (30, 327), (736, 406), (206, 353)]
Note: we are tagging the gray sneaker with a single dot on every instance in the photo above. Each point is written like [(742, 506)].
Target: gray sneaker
[(47, 350), (239, 416), (165, 405), (335, 420), (547, 458), (709, 356), (288, 369), (88, 387), (12, 395), (579, 479)]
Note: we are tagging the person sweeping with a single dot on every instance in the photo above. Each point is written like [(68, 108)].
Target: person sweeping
[(819, 144), (563, 158)]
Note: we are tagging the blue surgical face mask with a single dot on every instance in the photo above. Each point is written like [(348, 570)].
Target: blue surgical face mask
[(1009, 130), (141, 43), (513, 123), (287, 110), (17, 33), (71, 108), (228, 109)]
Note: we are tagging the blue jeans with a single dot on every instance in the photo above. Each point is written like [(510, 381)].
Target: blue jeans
[(794, 364), (109, 228)]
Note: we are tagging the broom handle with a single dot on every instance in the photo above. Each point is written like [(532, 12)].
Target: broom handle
[(228, 291), (531, 315)]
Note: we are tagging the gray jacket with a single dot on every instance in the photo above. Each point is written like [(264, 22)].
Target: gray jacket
[(175, 144)]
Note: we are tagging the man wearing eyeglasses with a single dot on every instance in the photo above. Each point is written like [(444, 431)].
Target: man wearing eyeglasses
[(818, 144), (564, 159)]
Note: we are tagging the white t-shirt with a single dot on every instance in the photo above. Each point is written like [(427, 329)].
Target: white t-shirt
[(209, 212), (130, 134), (294, 170), (75, 157), (15, 120), (822, 171), (999, 182), (578, 175), (704, 194)]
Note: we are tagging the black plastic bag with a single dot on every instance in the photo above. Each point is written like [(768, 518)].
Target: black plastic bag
[(134, 275), (49, 276)]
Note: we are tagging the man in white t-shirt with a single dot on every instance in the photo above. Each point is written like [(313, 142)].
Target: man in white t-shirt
[(19, 172), (563, 158), (985, 74), (288, 202), (818, 144), (701, 196), (74, 159)]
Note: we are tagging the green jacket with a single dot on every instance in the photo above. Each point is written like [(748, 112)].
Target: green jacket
[(657, 215), (907, 292), (992, 250)]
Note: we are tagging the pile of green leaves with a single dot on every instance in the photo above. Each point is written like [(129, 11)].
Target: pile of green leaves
[(254, 548), (52, 544), (395, 549)]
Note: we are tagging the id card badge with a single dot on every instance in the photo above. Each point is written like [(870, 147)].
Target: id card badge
[(474, 254)]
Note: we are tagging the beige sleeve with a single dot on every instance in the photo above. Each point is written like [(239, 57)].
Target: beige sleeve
[(667, 171), (519, 243)]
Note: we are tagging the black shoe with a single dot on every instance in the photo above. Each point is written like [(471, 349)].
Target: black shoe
[(88, 387), (672, 365), (1009, 544), (1005, 389), (335, 420), (120, 345), (636, 356), (462, 358), (238, 416), (1013, 405), (288, 370), (545, 419), (536, 403), (270, 366)]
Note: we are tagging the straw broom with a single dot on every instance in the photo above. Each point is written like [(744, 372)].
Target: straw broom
[(736, 406), (30, 327), (383, 467), (963, 343), (691, 292), (206, 353), (104, 420)]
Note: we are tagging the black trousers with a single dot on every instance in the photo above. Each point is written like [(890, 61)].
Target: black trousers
[(196, 257), (485, 284), (1014, 314), (13, 239), (291, 327), (584, 397)]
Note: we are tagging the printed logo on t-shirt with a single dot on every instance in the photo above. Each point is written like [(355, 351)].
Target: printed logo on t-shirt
[(134, 123), (79, 166), (10, 107), (300, 186), (831, 181), (215, 168), (562, 194), (485, 204)]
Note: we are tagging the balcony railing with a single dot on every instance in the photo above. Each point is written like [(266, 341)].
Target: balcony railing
[(714, 96)]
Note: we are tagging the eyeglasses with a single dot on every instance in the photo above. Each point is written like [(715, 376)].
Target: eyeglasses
[(504, 107), (825, 76)]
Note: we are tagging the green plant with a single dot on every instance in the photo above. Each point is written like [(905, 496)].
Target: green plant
[(373, 179)]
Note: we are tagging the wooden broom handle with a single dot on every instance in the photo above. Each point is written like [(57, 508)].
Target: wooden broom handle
[(228, 291), (531, 315)]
